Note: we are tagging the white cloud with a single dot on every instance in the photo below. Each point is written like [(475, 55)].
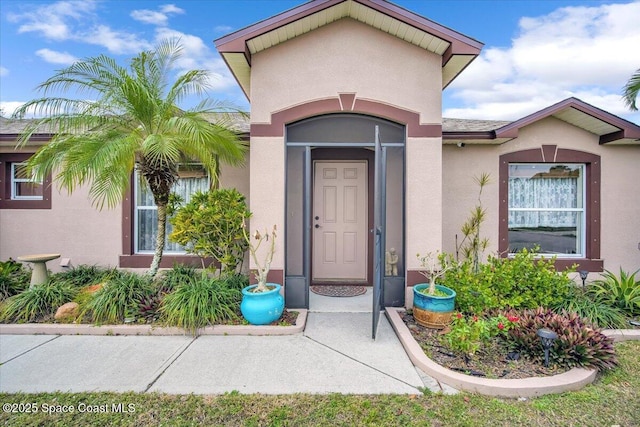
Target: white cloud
[(115, 41), (149, 17), (197, 55), (171, 8), (54, 57), (156, 18), (8, 107), (4, 71), (76, 21), (52, 21), (586, 52)]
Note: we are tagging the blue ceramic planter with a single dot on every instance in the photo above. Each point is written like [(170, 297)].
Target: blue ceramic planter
[(262, 308), (432, 302)]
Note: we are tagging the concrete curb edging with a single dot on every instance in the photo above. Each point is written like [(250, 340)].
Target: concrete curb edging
[(574, 379), (74, 329), (622, 334)]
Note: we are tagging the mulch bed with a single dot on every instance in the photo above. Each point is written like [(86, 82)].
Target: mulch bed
[(490, 361)]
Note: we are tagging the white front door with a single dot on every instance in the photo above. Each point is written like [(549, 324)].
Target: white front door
[(340, 221)]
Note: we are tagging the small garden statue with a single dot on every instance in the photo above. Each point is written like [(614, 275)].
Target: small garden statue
[(391, 263)]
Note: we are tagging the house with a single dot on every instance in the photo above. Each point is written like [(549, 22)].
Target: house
[(350, 157)]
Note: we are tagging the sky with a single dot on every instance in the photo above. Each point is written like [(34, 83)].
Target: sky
[(536, 53)]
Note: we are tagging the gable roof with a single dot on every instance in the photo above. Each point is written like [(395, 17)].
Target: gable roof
[(610, 128), (457, 50)]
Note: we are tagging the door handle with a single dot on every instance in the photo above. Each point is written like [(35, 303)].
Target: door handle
[(317, 217), (317, 226)]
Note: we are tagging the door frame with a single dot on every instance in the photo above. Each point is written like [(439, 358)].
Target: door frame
[(349, 154)]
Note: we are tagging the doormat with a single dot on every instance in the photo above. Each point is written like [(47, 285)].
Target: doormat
[(338, 290)]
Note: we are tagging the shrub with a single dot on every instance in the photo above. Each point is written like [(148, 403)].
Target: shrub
[(578, 343), (201, 302), (120, 298), (212, 225), (519, 282), (236, 281), (14, 278), (622, 292), (592, 308), (84, 275), (468, 334), (178, 274), (37, 302), (473, 294)]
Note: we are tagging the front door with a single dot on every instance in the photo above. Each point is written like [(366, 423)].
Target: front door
[(339, 221)]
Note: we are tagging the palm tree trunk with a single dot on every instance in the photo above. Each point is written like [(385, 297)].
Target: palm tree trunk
[(162, 226)]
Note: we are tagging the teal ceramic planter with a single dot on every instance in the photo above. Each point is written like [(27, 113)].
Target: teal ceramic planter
[(264, 307), (438, 304)]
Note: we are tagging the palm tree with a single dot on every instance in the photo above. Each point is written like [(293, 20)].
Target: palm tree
[(631, 91), (132, 122)]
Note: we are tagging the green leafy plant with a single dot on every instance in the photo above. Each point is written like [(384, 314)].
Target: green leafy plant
[(472, 244), (178, 274), (523, 281), (37, 302), (201, 302), (592, 308), (211, 225), (467, 334), (14, 278), (579, 343), (84, 275), (131, 120), (621, 291), (120, 298)]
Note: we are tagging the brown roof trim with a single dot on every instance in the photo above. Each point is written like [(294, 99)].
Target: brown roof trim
[(627, 129), (236, 41), (488, 135)]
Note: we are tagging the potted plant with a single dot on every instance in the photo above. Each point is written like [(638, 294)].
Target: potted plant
[(433, 304), (262, 303)]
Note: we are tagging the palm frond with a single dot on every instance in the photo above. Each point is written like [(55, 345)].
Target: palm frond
[(631, 91)]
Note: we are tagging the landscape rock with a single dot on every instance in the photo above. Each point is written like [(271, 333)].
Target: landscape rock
[(68, 311)]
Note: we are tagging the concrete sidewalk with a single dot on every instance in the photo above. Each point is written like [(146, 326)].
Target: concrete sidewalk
[(335, 353)]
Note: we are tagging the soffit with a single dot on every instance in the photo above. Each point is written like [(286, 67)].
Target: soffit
[(237, 48)]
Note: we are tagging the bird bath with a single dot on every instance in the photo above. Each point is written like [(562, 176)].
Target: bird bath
[(39, 274)]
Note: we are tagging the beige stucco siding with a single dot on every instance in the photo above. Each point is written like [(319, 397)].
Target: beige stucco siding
[(72, 228), (620, 203), (424, 198), (346, 57), (267, 192), (77, 230)]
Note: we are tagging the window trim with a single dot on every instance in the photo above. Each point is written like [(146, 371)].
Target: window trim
[(582, 210), (552, 154), (15, 180), (131, 259), (6, 185), (137, 209)]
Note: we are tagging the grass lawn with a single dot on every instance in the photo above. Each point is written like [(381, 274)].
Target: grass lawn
[(614, 399)]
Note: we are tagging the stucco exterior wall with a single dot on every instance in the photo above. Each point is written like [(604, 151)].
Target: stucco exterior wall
[(620, 203), (267, 193), (346, 57), (76, 230), (72, 227)]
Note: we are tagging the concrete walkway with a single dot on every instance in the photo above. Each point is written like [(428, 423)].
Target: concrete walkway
[(334, 354)]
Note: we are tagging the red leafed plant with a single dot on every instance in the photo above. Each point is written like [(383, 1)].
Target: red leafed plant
[(579, 343)]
